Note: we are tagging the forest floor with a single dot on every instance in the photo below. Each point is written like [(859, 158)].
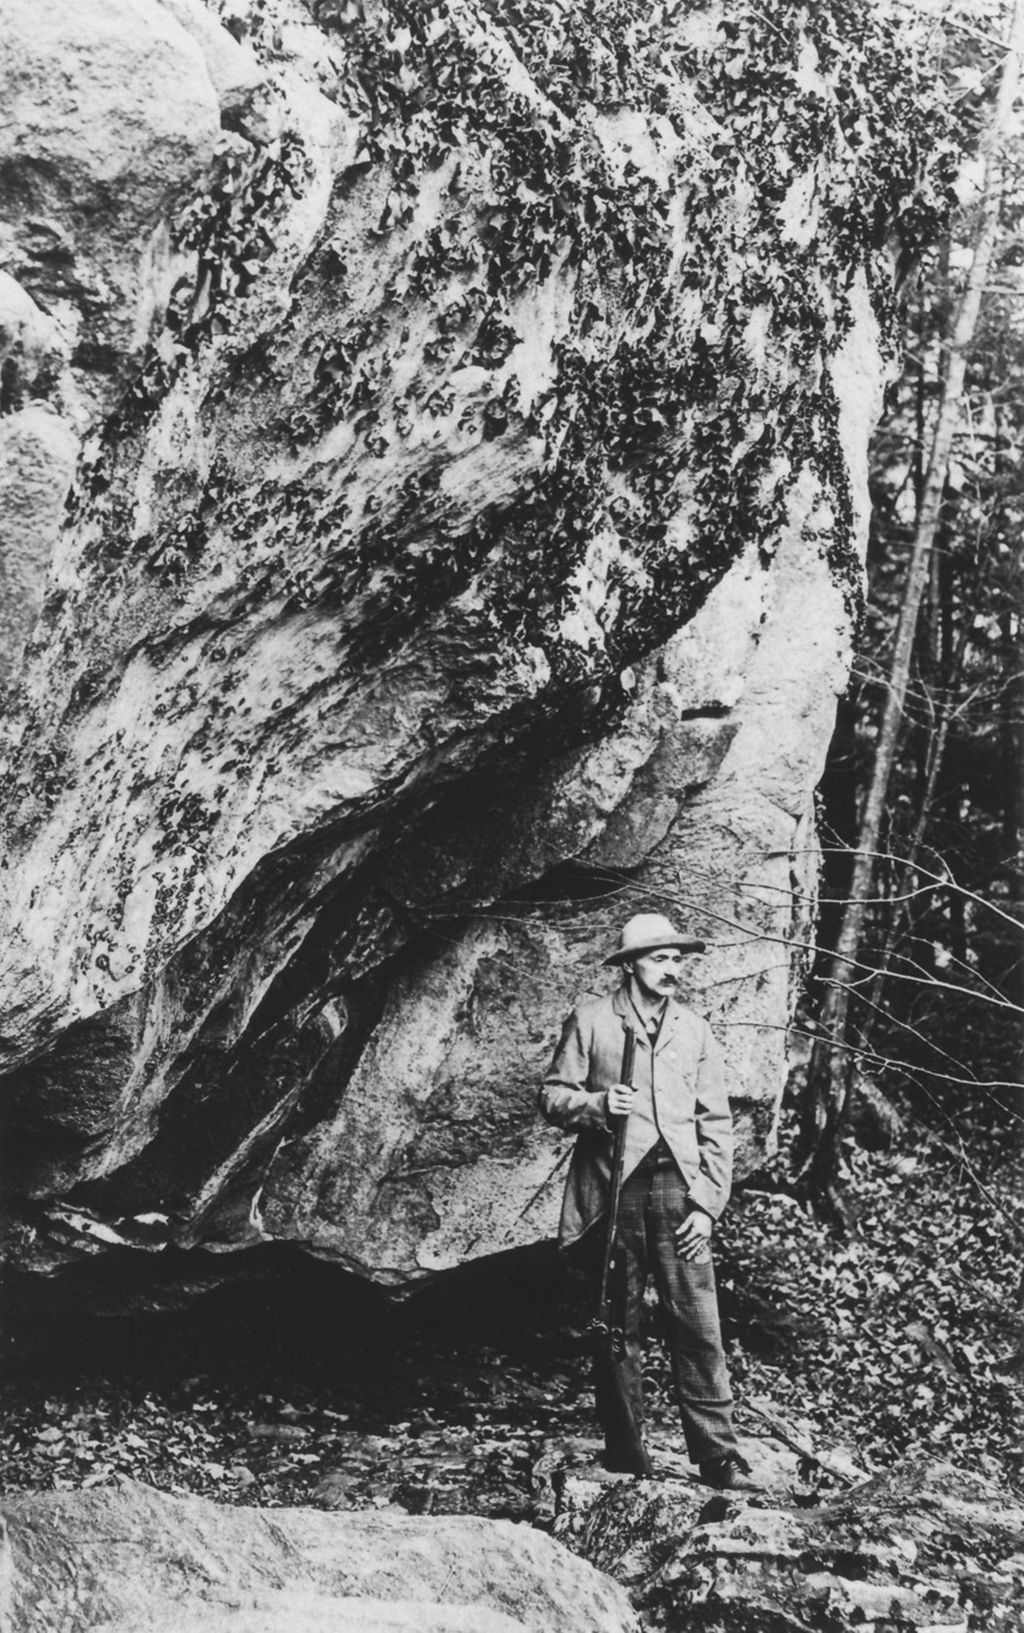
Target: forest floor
[(299, 1386)]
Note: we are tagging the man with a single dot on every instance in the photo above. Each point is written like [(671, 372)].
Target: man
[(676, 1172)]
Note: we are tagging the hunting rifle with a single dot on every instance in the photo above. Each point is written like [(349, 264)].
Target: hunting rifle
[(624, 1439)]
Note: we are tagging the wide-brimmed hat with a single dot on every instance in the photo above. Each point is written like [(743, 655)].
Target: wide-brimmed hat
[(645, 933)]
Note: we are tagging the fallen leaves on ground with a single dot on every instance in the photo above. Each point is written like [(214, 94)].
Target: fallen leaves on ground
[(905, 1336)]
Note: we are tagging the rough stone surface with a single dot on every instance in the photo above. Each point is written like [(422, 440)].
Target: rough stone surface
[(418, 611), (130, 1559), (234, 72), (32, 348), (923, 1546), (111, 119), (38, 454)]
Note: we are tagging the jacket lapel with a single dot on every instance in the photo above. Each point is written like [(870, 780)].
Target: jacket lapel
[(626, 1013), (678, 1023), (675, 1018)]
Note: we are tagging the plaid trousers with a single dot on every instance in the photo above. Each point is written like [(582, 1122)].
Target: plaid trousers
[(653, 1202)]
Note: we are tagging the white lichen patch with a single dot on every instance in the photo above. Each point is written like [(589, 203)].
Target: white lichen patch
[(681, 529), (541, 317), (630, 137), (596, 601), (755, 337), (798, 213), (859, 372)]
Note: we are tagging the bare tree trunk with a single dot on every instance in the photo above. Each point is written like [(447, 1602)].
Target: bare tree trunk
[(949, 660), (899, 914), (830, 1073), (1011, 724)]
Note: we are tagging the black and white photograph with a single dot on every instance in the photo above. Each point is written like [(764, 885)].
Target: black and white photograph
[(511, 816)]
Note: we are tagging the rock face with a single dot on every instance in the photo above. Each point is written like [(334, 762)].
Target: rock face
[(462, 553), (131, 1559), (923, 1546)]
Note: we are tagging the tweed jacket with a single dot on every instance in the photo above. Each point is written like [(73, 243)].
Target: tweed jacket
[(691, 1107)]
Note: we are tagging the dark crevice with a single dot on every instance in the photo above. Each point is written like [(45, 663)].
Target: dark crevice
[(11, 395), (571, 881), (273, 1301), (707, 711)]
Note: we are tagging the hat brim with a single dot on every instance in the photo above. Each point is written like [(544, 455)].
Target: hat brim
[(626, 956)]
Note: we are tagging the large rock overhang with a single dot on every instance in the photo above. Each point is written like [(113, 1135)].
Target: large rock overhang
[(463, 551)]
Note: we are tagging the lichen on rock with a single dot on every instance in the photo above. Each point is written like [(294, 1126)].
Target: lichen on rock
[(463, 551)]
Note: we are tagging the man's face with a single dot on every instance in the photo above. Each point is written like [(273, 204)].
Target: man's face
[(657, 974)]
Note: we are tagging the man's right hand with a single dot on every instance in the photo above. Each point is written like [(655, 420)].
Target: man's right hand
[(620, 1100)]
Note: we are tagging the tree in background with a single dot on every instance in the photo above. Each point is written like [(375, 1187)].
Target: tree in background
[(924, 972)]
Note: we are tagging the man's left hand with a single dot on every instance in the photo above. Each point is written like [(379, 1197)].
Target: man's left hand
[(693, 1235)]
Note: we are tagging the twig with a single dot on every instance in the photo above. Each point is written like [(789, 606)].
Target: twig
[(851, 1474)]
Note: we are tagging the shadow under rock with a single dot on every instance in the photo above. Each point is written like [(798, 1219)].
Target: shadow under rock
[(278, 1318)]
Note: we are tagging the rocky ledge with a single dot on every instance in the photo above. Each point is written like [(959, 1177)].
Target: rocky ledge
[(921, 1547)]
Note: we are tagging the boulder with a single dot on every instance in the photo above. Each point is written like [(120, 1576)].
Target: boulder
[(922, 1546), (130, 1559), (464, 553)]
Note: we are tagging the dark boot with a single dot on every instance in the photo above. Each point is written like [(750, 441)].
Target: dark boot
[(634, 1459), (728, 1473)]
